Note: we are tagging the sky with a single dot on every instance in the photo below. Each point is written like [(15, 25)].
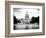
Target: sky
[(20, 12)]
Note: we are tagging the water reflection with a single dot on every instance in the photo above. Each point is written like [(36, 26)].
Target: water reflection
[(26, 26)]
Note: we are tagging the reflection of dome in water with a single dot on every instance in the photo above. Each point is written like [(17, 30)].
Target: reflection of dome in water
[(26, 15)]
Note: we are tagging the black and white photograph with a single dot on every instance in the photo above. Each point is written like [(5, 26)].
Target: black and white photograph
[(25, 18)]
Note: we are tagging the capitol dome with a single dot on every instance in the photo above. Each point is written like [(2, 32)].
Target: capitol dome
[(26, 20), (26, 15)]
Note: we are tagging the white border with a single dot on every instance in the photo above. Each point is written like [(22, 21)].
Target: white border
[(25, 31)]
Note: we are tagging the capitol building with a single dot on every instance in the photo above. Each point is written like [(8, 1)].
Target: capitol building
[(26, 20)]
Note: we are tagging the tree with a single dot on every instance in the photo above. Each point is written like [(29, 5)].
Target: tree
[(15, 20), (35, 20)]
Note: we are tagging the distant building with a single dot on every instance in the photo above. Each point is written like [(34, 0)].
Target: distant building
[(26, 19)]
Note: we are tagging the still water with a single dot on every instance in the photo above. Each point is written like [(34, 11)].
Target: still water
[(26, 26)]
